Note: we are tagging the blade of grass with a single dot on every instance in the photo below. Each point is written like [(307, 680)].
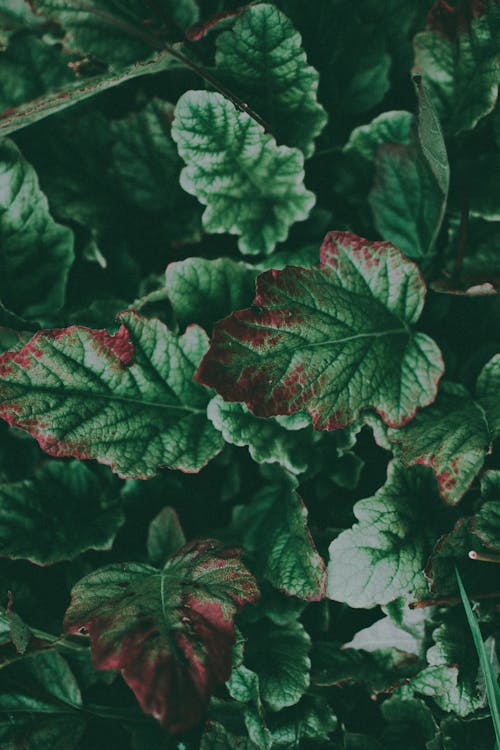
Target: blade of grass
[(492, 688)]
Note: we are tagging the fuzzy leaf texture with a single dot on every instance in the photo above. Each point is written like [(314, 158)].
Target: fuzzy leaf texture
[(36, 252), (251, 186), (334, 340), (127, 400), (456, 433), (169, 631), (262, 58)]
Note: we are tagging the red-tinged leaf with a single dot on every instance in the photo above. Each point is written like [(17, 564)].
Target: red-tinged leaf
[(128, 400), (169, 631), (452, 20), (334, 340)]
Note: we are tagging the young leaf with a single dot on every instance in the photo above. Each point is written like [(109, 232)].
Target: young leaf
[(36, 253), (111, 31), (165, 536), (127, 400), (251, 186), (268, 440), (334, 340), (275, 528), (262, 58), (455, 434), (383, 556), (74, 93), (461, 74), (169, 631), (56, 516)]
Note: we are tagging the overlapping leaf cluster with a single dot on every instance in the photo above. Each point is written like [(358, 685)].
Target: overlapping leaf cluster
[(249, 373)]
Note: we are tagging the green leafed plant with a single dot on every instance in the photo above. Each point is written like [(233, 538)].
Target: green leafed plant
[(249, 459)]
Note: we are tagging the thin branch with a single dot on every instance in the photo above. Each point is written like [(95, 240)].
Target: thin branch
[(153, 41)]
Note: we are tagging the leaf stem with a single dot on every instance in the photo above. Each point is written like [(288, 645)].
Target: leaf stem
[(154, 42), (449, 600)]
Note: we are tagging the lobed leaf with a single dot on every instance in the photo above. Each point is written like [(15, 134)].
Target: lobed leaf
[(127, 400), (251, 186), (334, 340), (169, 631), (261, 57)]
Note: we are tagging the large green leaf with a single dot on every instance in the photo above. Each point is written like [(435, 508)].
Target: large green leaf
[(127, 400), (262, 59), (335, 340), (251, 186), (119, 32), (169, 631), (36, 253), (56, 516), (486, 523), (383, 556), (274, 527), (462, 74), (456, 433)]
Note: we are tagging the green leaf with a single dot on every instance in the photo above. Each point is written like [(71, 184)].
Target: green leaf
[(127, 400), (490, 674), (203, 291), (268, 440), (456, 734), (389, 127), (15, 16), (165, 536), (116, 32), (45, 714), (274, 527), (310, 720), (462, 74), (281, 661), (170, 632), (410, 724), (56, 516), (409, 194), (251, 186), (217, 738), (262, 59), (486, 523), (30, 68), (455, 434), (147, 166), (36, 253), (335, 340), (383, 556), (74, 93), (244, 687)]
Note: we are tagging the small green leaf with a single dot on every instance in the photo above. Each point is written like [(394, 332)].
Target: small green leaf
[(383, 556), (217, 738), (165, 536), (262, 59), (36, 253), (251, 186), (486, 523), (56, 516), (311, 720)]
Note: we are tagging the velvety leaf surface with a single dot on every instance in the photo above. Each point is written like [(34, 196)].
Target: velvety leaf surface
[(128, 400), (30, 68), (274, 528), (486, 523), (36, 252), (106, 29), (170, 632), (282, 663), (203, 291), (45, 715), (147, 166), (268, 440), (455, 434), (383, 556), (27, 114), (335, 339), (251, 186), (462, 74), (262, 58)]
